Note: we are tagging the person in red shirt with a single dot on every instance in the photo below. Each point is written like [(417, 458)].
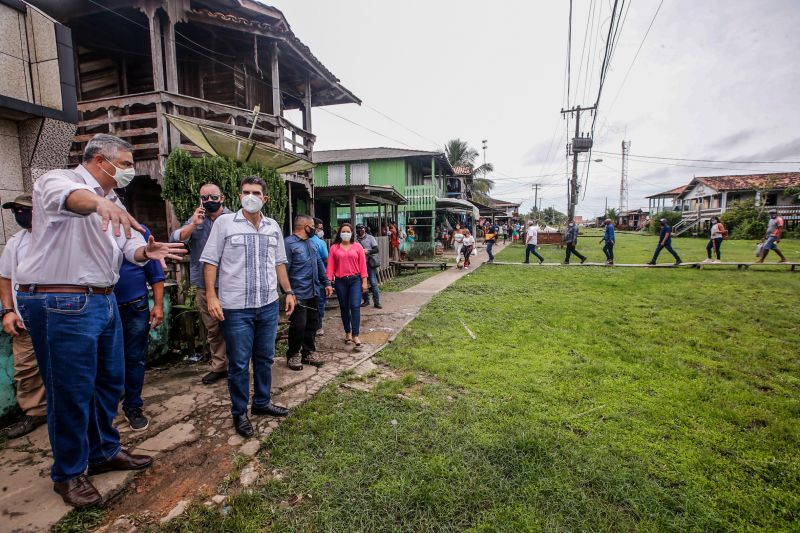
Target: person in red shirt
[(394, 241), (347, 269)]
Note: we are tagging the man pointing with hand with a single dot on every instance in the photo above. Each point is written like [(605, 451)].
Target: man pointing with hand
[(246, 250), (65, 296)]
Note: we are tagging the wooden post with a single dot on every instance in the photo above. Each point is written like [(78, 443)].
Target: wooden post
[(171, 67), (353, 209), (307, 105), (291, 221), (276, 92), (156, 56)]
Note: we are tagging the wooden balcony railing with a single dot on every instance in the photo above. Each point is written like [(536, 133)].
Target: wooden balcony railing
[(138, 119)]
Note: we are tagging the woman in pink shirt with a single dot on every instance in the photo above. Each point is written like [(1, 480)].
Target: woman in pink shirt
[(347, 269)]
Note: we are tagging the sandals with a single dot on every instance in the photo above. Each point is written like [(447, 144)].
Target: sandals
[(348, 340), (358, 345)]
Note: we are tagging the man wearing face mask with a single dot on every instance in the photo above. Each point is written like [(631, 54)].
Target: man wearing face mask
[(65, 296), (322, 251), (307, 276), (194, 234), (370, 245), (246, 250), (30, 389)]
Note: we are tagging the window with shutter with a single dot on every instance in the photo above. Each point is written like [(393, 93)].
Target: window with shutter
[(359, 174), (336, 175)]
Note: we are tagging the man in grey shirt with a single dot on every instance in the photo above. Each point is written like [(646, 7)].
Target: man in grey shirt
[(195, 234), (370, 245), (571, 240)]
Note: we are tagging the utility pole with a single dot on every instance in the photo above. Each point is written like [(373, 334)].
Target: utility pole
[(535, 188), (579, 144), (623, 182)]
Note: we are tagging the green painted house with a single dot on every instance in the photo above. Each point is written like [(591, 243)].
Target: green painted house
[(423, 178)]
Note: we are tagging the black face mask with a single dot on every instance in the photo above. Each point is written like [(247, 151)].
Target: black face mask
[(310, 232), (212, 207), (24, 217)]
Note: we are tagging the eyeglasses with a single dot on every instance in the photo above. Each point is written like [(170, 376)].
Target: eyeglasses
[(206, 197)]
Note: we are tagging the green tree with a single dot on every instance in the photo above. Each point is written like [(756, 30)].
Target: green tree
[(460, 154), (612, 214), (673, 217), (744, 220), (184, 174)]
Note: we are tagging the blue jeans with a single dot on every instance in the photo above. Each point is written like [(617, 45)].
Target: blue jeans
[(531, 249), (136, 336), (348, 291), (489, 246), (250, 334), (668, 247), (323, 299), (608, 249), (372, 279), (78, 343)]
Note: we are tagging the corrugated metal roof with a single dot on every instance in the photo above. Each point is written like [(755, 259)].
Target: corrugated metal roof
[(364, 154)]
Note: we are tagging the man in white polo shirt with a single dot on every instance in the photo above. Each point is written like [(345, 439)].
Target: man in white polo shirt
[(246, 250), (65, 296)]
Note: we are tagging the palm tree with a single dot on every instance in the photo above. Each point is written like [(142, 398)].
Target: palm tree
[(460, 154)]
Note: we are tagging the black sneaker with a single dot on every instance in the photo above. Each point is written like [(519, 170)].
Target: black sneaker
[(378, 306), (25, 426), (212, 376), (136, 419)]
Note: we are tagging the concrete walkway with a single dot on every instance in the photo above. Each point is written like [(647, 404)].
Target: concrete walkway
[(191, 432)]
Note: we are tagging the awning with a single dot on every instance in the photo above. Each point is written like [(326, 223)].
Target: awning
[(364, 195), (454, 204), (222, 143)]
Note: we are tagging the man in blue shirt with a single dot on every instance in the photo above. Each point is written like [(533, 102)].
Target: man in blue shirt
[(195, 235), (137, 318), (322, 250), (665, 241), (307, 276), (609, 238)]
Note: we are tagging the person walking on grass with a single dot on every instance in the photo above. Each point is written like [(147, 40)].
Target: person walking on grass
[(531, 242), (469, 246), (665, 241), (515, 234), (717, 235), (609, 238), (571, 240), (773, 237), (347, 269), (245, 253)]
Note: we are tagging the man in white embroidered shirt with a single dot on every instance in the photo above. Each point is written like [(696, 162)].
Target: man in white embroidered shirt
[(65, 296), (246, 249)]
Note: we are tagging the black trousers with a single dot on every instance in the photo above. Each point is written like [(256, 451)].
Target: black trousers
[(303, 326), (608, 249), (571, 250)]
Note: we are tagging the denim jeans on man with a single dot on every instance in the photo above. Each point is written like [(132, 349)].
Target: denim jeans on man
[(531, 249), (78, 344), (372, 279), (489, 246), (608, 249), (322, 298), (668, 247), (135, 317), (571, 250), (250, 332), (348, 291)]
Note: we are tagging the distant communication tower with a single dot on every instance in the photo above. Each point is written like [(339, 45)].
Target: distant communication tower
[(623, 182)]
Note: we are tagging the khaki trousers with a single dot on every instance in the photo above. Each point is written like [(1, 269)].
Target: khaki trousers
[(216, 343), (30, 389)]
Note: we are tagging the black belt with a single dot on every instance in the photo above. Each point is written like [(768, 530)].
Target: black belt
[(353, 276), (137, 300), (66, 289)]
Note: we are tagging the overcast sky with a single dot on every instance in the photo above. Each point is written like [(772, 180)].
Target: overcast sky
[(716, 79)]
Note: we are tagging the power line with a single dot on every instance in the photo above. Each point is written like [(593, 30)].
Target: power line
[(760, 171), (706, 160)]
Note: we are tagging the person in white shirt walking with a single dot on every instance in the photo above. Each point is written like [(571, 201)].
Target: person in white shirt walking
[(531, 242), (30, 389), (247, 250), (468, 246), (717, 234), (65, 296)]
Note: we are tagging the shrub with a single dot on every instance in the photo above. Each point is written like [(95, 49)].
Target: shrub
[(745, 221), (673, 217)]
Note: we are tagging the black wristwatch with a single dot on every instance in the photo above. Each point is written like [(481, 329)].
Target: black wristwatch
[(287, 293), (6, 311)]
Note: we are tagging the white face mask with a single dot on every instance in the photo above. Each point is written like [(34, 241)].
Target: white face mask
[(123, 176), (346, 236), (320, 234), (252, 203)]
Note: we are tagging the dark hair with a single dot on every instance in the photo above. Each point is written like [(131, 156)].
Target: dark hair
[(298, 220), (338, 238), (318, 221), (253, 180)]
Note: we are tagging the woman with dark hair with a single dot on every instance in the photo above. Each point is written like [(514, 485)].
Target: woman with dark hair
[(347, 269), (717, 233)]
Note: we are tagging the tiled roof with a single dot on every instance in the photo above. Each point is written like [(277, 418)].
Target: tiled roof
[(672, 192), (464, 170), (746, 182)]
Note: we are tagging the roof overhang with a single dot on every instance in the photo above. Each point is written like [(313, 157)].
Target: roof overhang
[(454, 204), (364, 195)]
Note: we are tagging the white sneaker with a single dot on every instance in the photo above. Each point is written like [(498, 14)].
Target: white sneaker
[(707, 260), (320, 332), (716, 261)]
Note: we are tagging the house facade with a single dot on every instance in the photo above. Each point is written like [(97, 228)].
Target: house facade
[(427, 198), (210, 62)]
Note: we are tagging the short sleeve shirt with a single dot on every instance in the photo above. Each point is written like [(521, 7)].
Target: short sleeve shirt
[(246, 258), (532, 235)]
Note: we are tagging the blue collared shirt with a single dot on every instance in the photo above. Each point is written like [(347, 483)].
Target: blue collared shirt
[(133, 279), (322, 248), (305, 267), (608, 236), (666, 229), (195, 244)]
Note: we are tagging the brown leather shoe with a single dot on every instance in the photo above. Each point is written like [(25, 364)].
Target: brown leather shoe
[(122, 461), (78, 492)]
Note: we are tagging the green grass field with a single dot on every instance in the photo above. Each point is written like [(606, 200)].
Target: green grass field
[(592, 400), (634, 248)]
